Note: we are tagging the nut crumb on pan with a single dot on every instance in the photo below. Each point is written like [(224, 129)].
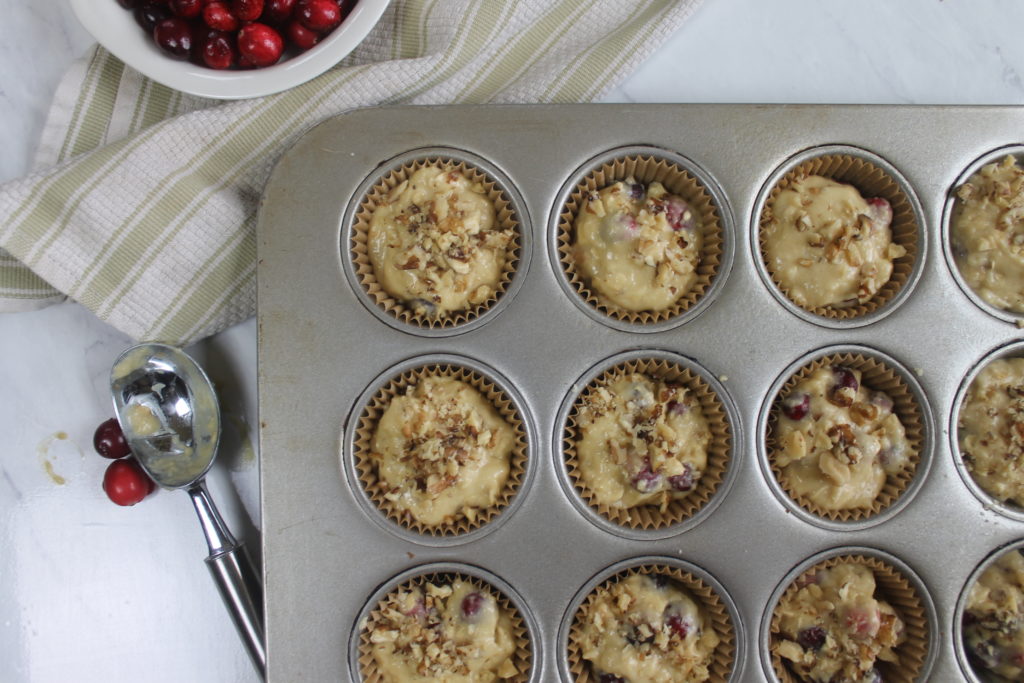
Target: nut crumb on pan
[(993, 621)]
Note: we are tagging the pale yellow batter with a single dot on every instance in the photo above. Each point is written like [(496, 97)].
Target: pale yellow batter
[(641, 442), (837, 441), (649, 629), (994, 619), (991, 430), (987, 234), (442, 450), (638, 247), (834, 629), (434, 245), (454, 633), (827, 246)]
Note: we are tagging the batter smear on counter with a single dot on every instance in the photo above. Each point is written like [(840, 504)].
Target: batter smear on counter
[(434, 245)]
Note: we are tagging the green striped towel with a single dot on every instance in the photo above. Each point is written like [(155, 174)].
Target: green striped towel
[(145, 209)]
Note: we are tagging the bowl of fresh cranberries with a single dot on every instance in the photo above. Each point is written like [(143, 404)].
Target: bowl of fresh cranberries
[(229, 49)]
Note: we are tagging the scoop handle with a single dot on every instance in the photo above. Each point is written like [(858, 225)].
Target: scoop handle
[(237, 580)]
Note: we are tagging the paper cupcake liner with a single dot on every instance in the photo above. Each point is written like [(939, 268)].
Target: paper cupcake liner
[(505, 219), (678, 181), (521, 658), (647, 516), (715, 611), (892, 587), (879, 377), (871, 181), (366, 469)]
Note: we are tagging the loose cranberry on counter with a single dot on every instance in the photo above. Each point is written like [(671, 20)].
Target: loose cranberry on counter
[(125, 482), (260, 45), (109, 441), (796, 406)]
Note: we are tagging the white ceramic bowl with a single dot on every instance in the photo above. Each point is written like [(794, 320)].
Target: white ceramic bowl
[(115, 29)]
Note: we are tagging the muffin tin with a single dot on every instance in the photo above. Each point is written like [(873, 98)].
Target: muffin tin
[(323, 346)]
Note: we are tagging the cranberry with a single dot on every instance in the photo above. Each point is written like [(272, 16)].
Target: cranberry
[(109, 440), (679, 626), (247, 10), (149, 14), (174, 36), (637, 191), (278, 11), (218, 16), (676, 408), (186, 9), (880, 211), (679, 215), (318, 15), (417, 611), (346, 7), (684, 481), (811, 638), (845, 378), (861, 623), (125, 483), (610, 678), (471, 605), (260, 44), (796, 406), (300, 36), (218, 50), (646, 480)]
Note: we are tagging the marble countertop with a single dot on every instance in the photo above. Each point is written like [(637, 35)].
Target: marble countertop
[(93, 592)]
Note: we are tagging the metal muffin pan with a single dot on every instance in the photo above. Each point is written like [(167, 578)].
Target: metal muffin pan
[(320, 348)]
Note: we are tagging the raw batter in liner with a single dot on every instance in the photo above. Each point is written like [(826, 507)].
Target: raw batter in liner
[(638, 247), (442, 450), (991, 430), (647, 629), (455, 633), (826, 246), (433, 243), (837, 442), (994, 619), (988, 234), (642, 442), (834, 630)]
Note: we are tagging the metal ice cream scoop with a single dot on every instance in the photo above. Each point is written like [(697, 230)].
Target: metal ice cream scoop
[(170, 417)]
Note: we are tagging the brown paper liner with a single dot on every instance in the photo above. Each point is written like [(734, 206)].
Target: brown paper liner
[(870, 181), (879, 377), (650, 516), (505, 219), (522, 657), (891, 586), (679, 182), (715, 612), (367, 470)]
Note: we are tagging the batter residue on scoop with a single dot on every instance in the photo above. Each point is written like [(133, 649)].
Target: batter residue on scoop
[(647, 629), (834, 630), (993, 622), (433, 243), (453, 632)]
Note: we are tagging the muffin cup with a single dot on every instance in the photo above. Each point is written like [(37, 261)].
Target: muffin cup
[(879, 373), (681, 514), (362, 469), (715, 603), (680, 177), (509, 215), (896, 584), (872, 177), (527, 655)]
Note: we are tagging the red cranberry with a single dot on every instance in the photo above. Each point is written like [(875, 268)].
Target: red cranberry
[(471, 605), (679, 626), (845, 378), (676, 408), (149, 14), (880, 211), (637, 191), (278, 11), (186, 9), (247, 10), (346, 7), (646, 480), (318, 15), (679, 215), (108, 440), (260, 44), (218, 50), (796, 406), (174, 36), (684, 481), (811, 638), (300, 36), (218, 16), (610, 678)]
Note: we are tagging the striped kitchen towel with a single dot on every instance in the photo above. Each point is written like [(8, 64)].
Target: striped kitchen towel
[(144, 210)]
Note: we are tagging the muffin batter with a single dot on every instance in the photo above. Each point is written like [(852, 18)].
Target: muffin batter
[(455, 633), (834, 630), (826, 245), (442, 450), (837, 442), (647, 629), (638, 247), (991, 430), (433, 243), (994, 618), (987, 234), (642, 442)]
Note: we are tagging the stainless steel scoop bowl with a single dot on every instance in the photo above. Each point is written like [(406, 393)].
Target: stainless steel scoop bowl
[(170, 417)]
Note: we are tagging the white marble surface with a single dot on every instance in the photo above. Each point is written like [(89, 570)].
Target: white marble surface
[(93, 592)]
